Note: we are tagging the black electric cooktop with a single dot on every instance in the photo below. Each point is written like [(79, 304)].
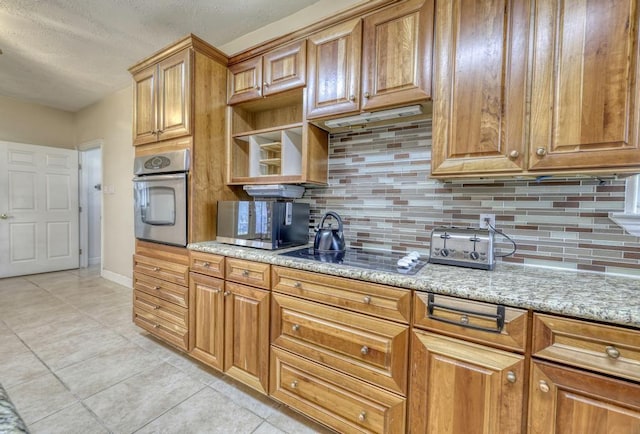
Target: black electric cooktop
[(368, 259)]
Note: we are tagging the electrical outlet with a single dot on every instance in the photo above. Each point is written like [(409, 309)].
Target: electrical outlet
[(484, 218)]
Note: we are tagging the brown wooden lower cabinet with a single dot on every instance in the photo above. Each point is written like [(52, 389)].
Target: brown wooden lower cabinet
[(342, 402), (461, 387), (230, 328), (570, 401)]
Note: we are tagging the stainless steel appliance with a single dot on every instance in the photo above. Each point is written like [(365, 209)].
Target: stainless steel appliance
[(263, 224), (160, 197), (465, 247)]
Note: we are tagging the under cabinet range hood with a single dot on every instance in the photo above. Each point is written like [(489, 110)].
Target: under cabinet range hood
[(373, 117), (281, 191)]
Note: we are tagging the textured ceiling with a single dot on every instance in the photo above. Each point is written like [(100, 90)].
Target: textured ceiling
[(68, 54)]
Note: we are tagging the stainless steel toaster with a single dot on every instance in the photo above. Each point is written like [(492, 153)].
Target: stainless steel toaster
[(464, 247)]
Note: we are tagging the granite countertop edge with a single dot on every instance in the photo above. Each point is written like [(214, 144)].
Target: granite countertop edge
[(591, 296)]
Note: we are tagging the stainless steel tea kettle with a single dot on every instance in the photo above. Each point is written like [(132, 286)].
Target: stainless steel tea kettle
[(329, 239)]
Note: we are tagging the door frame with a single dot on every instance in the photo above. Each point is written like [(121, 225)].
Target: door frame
[(83, 192)]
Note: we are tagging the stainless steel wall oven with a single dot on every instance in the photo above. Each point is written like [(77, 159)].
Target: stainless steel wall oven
[(160, 197)]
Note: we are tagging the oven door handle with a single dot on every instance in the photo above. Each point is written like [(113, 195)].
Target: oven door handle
[(167, 177)]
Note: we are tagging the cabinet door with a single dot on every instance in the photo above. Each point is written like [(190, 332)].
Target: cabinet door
[(569, 401), (206, 319), (285, 68), (396, 55), (246, 356), (460, 387), (174, 96), (334, 70), (244, 81), (144, 106), (584, 102), (480, 61)]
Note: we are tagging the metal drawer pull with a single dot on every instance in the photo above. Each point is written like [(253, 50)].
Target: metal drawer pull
[(156, 307), (464, 319), (366, 299), (206, 264), (156, 326), (362, 416), (364, 350), (297, 284), (612, 352), (156, 268), (543, 386), (227, 293), (295, 327), (156, 288), (245, 273), (294, 384), (511, 377)]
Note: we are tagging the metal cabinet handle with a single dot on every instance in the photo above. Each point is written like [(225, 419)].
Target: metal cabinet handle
[(156, 268), (265, 84), (245, 273), (156, 326), (366, 299), (514, 154), (362, 416), (227, 293), (156, 307), (352, 97), (541, 152), (367, 94), (612, 352), (295, 327), (297, 284), (464, 319), (364, 350), (294, 384), (257, 87), (543, 386), (206, 264), (511, 377), (4, 216), (156, 288)]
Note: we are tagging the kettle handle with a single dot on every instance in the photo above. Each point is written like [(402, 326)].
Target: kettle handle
[(335, 216)]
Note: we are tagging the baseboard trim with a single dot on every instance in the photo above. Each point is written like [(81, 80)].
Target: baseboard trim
[(117, 278)]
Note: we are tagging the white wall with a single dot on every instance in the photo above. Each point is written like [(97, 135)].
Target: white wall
[(35, 124), (110, 120)]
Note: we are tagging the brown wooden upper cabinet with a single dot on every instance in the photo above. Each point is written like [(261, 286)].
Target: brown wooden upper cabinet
[(162, 99), (583, 109), (276, 71), (396, 55), (479, 82), (334, 70)]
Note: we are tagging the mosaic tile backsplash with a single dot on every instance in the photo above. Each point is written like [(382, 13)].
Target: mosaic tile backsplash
[(379, 184)]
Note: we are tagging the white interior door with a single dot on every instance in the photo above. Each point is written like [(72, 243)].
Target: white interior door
[(38, 209)]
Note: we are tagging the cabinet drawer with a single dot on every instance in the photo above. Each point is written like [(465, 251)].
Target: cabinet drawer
[(372, 349), (485, 323), (162, 289), (206, 263), (370, 298), (252, 273), (158, 268), (161, 309), (602, 348), (345, 404), (163, 319)]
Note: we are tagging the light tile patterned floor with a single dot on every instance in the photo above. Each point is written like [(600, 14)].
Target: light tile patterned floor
[(72, 361)]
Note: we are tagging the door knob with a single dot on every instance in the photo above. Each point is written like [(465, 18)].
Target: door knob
[(4, 216)]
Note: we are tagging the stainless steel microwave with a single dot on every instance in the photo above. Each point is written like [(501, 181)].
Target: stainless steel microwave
[(263, 224)]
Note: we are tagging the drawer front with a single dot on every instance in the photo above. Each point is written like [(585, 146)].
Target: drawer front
[(345, 404), (248, 272), (206, 263), (485, 323), (602, 348), (165, 320), (162, 289), (160, 269), (372, 349), (164, 310), (369, 298)]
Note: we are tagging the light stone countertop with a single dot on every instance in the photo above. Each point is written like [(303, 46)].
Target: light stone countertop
[(584, 295)]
